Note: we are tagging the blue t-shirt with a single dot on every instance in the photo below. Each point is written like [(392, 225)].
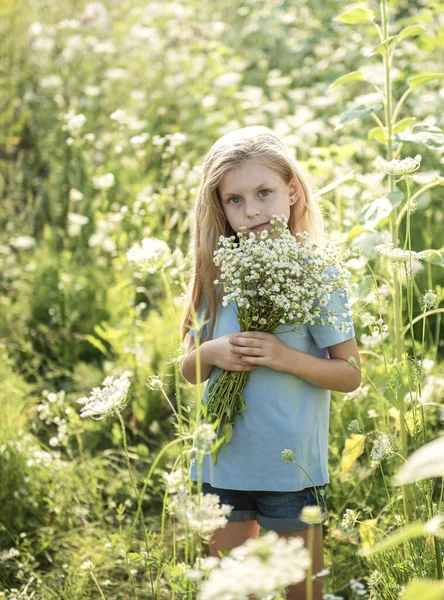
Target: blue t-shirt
[(283, 411)]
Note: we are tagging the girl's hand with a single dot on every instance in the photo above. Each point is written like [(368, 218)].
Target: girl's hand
[(220, 355), (259, 348)]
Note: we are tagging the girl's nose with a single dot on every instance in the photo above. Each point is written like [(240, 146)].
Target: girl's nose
[(251, 209)]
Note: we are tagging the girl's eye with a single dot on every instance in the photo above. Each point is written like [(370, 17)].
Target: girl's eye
[(237, 198)]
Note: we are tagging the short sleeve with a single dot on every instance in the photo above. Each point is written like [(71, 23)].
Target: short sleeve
[(326, 335), (202, 327)]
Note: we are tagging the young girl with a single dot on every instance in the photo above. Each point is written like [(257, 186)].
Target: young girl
[(249, 175)]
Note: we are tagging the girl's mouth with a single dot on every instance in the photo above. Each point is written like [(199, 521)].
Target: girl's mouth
[(259, 227)]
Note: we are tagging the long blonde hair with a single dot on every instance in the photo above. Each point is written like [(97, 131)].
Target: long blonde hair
[(248, 143)]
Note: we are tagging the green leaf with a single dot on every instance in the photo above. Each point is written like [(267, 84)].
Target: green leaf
[(367, 532), (415, 529), (379, 134), (395, 198), (374, 212), (382, 47), (365, 286), (436, 257), (354, 447), (356, 112), (228, 432), (403, 124), (96, 343), (424, 588), (410, 31), (355, 16), (355, 231), (353, 76), (429, 136), (417, 80)]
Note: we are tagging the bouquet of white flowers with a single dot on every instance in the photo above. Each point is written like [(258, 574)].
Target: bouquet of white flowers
[(274, 279)]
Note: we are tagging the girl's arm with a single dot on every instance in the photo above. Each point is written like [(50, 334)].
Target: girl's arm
[(213, 353), (334, 373), (188, 367)]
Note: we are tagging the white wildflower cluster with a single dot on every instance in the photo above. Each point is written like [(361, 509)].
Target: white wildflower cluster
[(358, 588), (151, 255), (111, 397), (258, 567), (429, 300), (354, 426), (104, 182), (204, 437), (384, 447), (282, 279), (73, 122), (378, 326), (374, 579), (9, 554), (53, 410), (349, 519), (400, 257), (203, 513), (401, 168), (176, 481)]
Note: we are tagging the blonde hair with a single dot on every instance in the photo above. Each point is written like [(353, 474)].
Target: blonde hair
[(248, 143)]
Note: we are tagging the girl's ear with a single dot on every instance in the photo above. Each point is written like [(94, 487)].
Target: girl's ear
[(292, 187)]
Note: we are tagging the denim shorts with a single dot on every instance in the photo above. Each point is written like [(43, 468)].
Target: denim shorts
[(278, 511)]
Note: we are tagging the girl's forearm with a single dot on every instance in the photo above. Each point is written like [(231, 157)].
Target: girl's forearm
[(329, 373), (189, 363)]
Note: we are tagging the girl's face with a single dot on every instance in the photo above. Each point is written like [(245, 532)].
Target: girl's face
[(251, 193)]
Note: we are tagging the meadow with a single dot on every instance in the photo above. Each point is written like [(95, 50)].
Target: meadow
[(107, 110)]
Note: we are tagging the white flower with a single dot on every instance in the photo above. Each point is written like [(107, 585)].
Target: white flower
[(227, 80), (176, 481), (204, 437), (403, 167), (349, 519), (23, 241), (204, 514), (399, 256), (111, 397), (73, 122), (151, 255), (104, 182), (384, 446), (429, 299), (258, 567)]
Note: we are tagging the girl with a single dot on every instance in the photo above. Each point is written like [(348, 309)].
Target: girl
[(249, 175)]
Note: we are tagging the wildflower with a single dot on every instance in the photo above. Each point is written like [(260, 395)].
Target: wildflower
[(176, 481), (429, 299), (349, 519), (352, 361), (73, 122), (258, 567), (111, 397), (354, 426), (204, 437), (151, 255), (87, 565), (358, 587), (104, 182), (204, 516), (23, 241), (399, 257), (311, 515), (288, 455), (384, 446), (403, 167)]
